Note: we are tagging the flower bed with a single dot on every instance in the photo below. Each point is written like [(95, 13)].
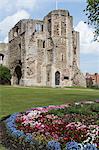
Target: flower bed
[(53, 128)]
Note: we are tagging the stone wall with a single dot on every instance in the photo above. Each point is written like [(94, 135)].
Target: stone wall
[(17, 51), (45, 52), (4, 54)]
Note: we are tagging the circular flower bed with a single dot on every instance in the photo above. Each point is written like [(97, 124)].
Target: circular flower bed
[(52, 128)]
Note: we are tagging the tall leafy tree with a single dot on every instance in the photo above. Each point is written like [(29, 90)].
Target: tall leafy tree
[(5, 75), (92, 12)]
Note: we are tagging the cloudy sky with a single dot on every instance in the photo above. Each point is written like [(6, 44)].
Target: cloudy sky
[(11, 11)]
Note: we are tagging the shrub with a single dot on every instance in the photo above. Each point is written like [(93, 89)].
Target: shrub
[(5, 75)]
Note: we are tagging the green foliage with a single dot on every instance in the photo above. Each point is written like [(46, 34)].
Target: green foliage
[(92, 109), (81, 109), (92, 12), (58, 112), (5, 75)]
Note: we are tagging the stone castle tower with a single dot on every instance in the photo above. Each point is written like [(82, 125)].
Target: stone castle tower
[(45, 52)]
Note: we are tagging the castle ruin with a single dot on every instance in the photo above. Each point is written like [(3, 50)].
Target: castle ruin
[(45, 52)]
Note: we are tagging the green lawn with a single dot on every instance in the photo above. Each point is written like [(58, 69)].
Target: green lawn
[(17, 99)]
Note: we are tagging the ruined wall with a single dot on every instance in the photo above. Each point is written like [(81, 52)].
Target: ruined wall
[(78, 78), (17, 50), (35, 46), (58, 35), (60, 27), (76, 49), (4, 54), (45, 52)]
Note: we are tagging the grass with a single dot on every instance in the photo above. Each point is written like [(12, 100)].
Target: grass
[(17, 99)]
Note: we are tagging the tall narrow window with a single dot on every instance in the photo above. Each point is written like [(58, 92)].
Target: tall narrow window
[(38, 27), (75, 50), (42, 27), (1, 58), (49, 26), (20, 45), (62, 57), (63, 28), (40, 43), (48, 77), (56, 28), (43, 44), (57, 78)]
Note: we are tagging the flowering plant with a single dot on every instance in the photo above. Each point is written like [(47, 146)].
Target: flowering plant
[(52, 130)]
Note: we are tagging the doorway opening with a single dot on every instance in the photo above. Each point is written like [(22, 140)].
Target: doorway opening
[(57, 78), (18, 74)]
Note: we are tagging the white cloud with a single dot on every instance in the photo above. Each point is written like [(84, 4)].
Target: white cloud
[(26, 4), (10, 21), (87, 45), (17, 4)]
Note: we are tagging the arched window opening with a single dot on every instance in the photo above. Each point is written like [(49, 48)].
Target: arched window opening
[(18, 74), (20, 45), (57, 78), (1, 58), (75, 50), (62, 57), (48, 77), (49, 26), (42, 27), (43, 44), (38, 28)]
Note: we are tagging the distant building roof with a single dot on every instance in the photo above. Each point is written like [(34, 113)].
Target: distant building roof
[(94, 77)]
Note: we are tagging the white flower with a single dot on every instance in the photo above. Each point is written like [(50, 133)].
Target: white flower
[(33, 113)]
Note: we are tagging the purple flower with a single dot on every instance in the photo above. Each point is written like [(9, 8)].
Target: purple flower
[(53, 145), (90, 147), (72, 146)]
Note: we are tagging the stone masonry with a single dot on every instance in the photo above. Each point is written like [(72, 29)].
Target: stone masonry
[(4, 54), (45, 52)]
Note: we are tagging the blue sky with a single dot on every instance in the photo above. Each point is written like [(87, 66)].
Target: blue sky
[(11, 11)]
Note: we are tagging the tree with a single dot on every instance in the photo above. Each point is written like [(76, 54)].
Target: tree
[(92, 12), (5, 75)]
